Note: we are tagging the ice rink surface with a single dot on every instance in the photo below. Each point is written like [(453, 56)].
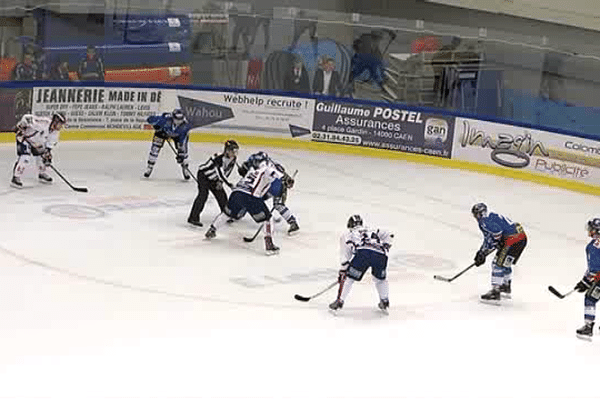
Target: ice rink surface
[(111, 295)]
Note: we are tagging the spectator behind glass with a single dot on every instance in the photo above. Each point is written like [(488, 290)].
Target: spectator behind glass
[(91, 68), (296, 79), (25, 70), (60, 71), (327, 79)]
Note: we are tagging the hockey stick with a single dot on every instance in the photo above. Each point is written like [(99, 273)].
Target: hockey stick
[(558, 294), (303, 298), (251, 239), (77, 189), (183, 165), (441, 278)]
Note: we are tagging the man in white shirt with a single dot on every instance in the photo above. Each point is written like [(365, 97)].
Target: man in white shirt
[(327, 79)]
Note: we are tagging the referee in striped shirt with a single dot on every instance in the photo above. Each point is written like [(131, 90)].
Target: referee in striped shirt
[(212, 175)]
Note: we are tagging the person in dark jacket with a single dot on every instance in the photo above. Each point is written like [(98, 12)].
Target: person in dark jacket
[(296, 80), (327, 79), (25, 70), (91, 68), (60, 71)]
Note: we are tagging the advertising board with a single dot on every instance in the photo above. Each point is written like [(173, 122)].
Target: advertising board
[(383, 127), (527, 149), (98, 107)]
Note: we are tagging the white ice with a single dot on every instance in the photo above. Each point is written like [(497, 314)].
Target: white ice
[(136, 304)]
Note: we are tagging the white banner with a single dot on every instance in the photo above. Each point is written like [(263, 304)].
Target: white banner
[(208, 111), (99, 107), (532, 150), (243, 113)]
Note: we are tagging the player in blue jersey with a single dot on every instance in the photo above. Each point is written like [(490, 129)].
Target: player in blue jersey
[(589, 283), (362, 248), (170, 126), (508, 238)]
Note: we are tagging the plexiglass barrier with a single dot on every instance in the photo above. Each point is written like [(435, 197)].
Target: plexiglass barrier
[(222, 44)]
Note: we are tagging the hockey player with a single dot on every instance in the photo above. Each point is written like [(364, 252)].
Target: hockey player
[(212, 175), (36, 137), (589, 283), (360, 248), (508, 238), (248, 197), (167, 126), (278, 189)]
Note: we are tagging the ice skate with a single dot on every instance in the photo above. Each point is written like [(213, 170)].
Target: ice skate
[(491, 297), (270, 248), (195, 223), (44, 177), (336, 305), (505, 290), (148, 172), (16, 182), (294, 228), (586, 332), (211, 232), (383, 305)]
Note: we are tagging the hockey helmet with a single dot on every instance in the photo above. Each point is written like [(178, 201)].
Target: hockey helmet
[(58, 117), (258, 158), (479, 210), (354, 221), (231, 145), (178, 115), (593, 227)]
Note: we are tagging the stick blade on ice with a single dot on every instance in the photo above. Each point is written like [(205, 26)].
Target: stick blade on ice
[(441, 278), (555, 292)]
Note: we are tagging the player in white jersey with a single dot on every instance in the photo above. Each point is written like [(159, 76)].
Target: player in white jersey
[(278, 189), (360, 248), (36, 137), (248, 196)]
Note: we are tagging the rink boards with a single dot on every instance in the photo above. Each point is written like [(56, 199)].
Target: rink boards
[(112, 112)]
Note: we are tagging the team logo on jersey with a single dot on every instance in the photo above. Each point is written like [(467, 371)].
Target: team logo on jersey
[(436, 131)]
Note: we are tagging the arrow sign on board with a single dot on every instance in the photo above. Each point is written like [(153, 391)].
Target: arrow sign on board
[(201, 113), (298, 131)]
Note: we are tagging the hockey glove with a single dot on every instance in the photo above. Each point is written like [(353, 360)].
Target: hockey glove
[(583, 285), (480, 258), (288, 181), (219, 184), (19, 135), (47, 157), (180, 158), (243, 169), (159, 133)]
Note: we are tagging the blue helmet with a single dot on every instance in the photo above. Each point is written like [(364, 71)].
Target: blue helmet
[(354, 221), (593, 227), (479, 210), (258, 158)]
